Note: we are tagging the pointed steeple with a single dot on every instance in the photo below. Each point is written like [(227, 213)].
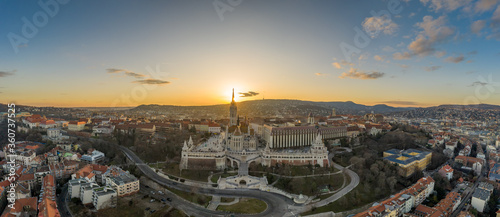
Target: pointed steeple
[(185, 147), (319, 139), (190, 143), (233, 96)]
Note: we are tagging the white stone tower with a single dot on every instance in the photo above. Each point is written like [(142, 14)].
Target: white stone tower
[(233, 113)]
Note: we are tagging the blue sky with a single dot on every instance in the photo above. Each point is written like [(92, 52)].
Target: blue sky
[(126, 53)]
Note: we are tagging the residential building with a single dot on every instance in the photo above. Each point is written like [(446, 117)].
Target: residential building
[(409, 160), (94, 158), (125, 184), (104, 197), (446, 171), (76, 125)]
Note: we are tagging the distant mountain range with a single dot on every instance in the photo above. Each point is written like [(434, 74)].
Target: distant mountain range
[(277, 107)]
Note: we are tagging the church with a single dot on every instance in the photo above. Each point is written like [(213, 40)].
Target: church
[(223, 149)]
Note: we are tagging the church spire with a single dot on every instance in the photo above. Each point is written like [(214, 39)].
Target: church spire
[(233, 95)]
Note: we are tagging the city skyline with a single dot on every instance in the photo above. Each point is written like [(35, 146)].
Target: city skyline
[(418, 54)]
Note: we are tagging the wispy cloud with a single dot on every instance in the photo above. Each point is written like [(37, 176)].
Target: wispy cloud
[(398, 102), (478, 83), (477, 26), (455, 59), (378, 58), (341, 64), (432, 68), (320, 74), (248, 94), (125, 72), (446, 5), (7, 73), (151, 81), (135, 75), (355, 74)]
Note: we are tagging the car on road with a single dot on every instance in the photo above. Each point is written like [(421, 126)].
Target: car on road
[(169, 199), (163, 200), (160, 192), (152, 211), (152, 200), (147, 209)]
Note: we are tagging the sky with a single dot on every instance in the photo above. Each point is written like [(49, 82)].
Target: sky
[(188, 52)]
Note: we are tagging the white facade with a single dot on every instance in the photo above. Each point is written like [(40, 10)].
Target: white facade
[(93, 158), (104, 197), (86, 192)]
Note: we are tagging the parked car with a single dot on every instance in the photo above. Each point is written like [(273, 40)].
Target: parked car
[(152, 200), (169, 199)]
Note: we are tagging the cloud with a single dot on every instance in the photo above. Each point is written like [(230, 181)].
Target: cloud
[(388, 49), (113, 70), (320, 74), (341, 64), (7, 73), (355, 74), (401, 56), (151, 81), (398, 102), (434, 31), (363, 56), (447, 5), (374, 25), (403, 66), (495, 19), (478, 83), (440, 54), (455, 59), (248, 94), (135, 75), (484, 5), (411, 15), (378, 58), (432, 68), (477, 26), (126, 72)]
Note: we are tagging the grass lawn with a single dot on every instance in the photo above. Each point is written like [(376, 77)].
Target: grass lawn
[(197, 175), (193, 197), (310, 186), (216, 177), (226, 199), (122, 209), (245, 206), (346, 203), (175, 213), (161, 212)]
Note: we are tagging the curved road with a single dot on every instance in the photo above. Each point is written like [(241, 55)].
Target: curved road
[(277, 205)]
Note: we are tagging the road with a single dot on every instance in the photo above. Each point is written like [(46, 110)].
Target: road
[(277, 205), (62, 203), (354, 182)]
